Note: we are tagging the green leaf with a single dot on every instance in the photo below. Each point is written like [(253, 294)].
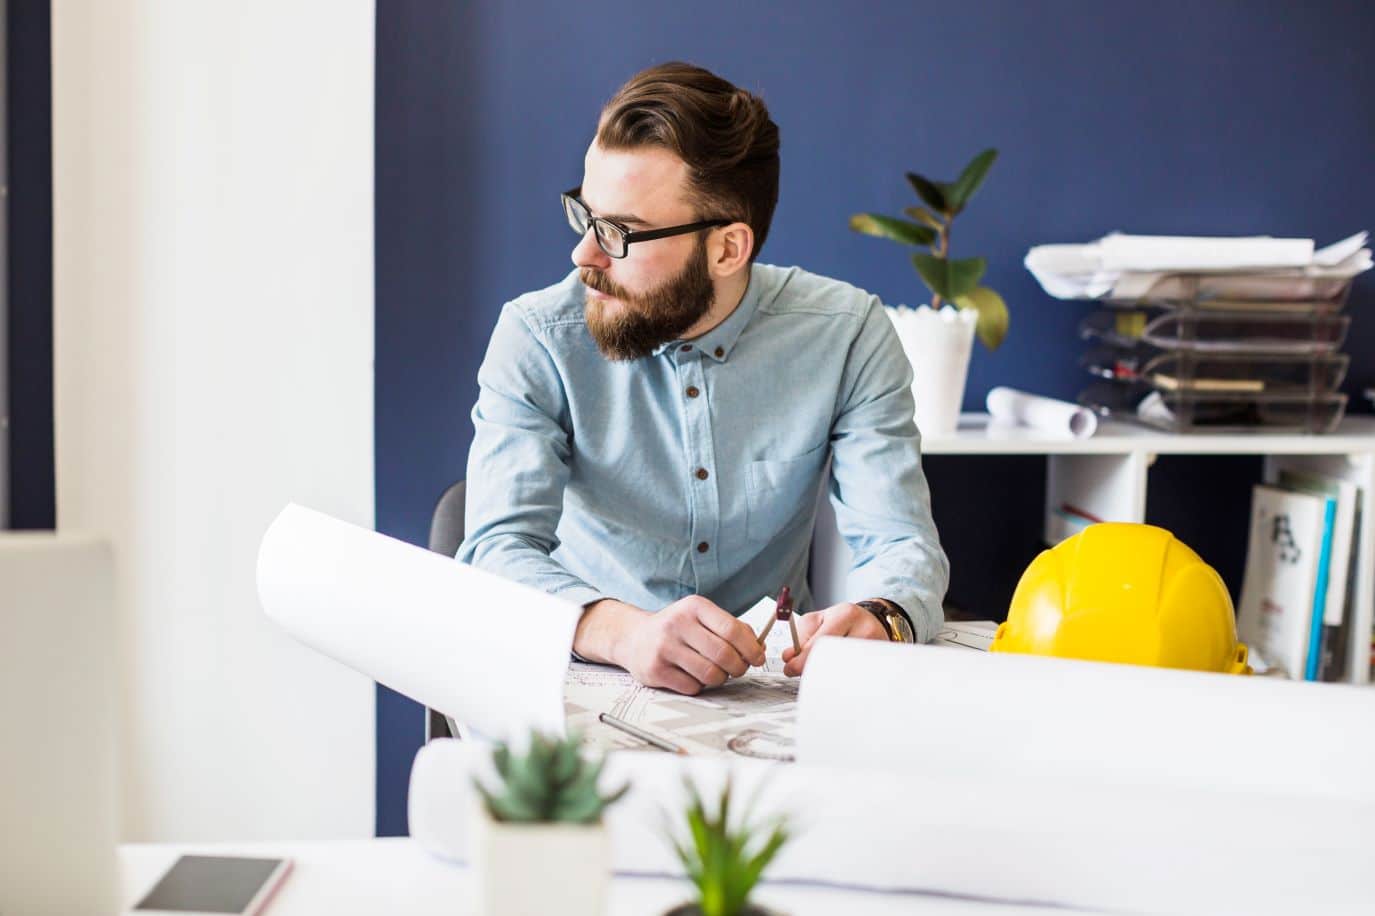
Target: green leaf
[(583, 809), (932, 192), (993, 319), (512, 809), (925, 216), (961, 189), (886, 227), (756, 865), (501, 759), (949, 279)]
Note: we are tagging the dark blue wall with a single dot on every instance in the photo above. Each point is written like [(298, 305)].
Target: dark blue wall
[(29, 254), (1198, 117)]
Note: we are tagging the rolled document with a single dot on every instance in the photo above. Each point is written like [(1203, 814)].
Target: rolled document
[(489, 652), (1061, 418), (1025, 838), (1010, 719)]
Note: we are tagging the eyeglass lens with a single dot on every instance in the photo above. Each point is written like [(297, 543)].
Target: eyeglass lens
[(609, 238)]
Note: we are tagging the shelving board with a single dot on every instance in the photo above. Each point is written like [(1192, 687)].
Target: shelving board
[(978, 435)]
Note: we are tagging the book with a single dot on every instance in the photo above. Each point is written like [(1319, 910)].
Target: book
[(1277, 609), (1340, 585), (1310, 671)]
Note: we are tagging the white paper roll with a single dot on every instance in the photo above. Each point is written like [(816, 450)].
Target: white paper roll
[(1057, 840), (490, 652), (1003, 717), (1061, 418)]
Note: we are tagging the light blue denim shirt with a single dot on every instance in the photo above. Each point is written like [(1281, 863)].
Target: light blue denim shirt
[(695, 470)]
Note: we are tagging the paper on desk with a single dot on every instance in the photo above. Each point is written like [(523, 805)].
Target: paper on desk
[(1000, 718), (460, 640), (1024, 838), (1058, 418), (752, 716), (967, 634)]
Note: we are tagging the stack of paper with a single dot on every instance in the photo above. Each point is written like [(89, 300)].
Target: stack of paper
[(1132, 266)]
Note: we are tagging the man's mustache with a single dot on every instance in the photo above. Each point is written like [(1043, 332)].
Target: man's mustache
[(596, 280)]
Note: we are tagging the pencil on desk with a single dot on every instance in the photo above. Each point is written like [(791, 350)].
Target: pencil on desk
[(640, 733)]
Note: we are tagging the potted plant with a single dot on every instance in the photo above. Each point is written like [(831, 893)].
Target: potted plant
[(540, 845), (938, 340), (724, 862)]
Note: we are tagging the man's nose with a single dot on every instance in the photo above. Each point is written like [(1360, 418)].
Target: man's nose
[(587, 253)]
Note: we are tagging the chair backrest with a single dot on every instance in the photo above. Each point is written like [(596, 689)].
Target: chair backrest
[(446, 526), (446, 534)]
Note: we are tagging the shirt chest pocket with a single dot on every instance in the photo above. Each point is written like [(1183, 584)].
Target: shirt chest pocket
[(779, 491)]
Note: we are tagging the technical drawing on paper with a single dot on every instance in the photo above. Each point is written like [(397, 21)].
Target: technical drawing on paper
[(749, 716)]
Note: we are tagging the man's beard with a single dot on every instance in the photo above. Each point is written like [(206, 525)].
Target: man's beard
[(643, 322)]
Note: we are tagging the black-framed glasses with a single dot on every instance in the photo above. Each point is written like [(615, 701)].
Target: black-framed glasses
[(612, 237)]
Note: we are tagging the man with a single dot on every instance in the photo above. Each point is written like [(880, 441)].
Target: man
[(651, 432)]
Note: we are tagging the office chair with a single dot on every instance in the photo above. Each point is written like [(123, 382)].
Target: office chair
[(446, 533)]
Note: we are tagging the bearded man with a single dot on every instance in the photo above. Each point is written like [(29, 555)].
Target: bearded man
[(652, 431)]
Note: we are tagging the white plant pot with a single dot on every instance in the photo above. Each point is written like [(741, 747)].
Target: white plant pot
[(539, 868), (938, 343)]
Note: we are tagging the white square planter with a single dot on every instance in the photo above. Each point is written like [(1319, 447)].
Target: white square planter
[(539, 868)]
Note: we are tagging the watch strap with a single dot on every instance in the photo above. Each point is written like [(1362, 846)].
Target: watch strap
[(882, 608)]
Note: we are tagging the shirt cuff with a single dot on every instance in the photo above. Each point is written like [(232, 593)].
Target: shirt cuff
[(583, 596)]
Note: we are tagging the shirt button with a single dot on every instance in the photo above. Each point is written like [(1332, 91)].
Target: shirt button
[(720, 352), (702, 474), (692, 391), (702, 547), (687, 348)]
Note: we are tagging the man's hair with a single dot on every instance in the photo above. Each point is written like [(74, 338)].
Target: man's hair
[(723, 133)]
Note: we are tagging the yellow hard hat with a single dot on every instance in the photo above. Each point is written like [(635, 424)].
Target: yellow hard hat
[(1118, 592)]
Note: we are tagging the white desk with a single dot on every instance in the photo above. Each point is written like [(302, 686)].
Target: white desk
[(395, 876)]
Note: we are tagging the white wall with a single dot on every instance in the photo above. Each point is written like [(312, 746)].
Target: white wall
[(213, 227)]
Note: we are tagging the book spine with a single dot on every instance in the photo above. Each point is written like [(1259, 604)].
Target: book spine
[(1310, 672)]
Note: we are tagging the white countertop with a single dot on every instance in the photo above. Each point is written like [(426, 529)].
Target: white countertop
[(396, 877)]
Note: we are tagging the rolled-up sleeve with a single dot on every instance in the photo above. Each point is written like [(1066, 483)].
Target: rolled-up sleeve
[(879, 491), (518, 464)]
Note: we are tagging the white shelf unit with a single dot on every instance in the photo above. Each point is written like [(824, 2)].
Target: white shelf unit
[(1107, 475)]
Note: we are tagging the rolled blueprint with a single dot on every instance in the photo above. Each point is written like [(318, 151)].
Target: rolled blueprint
[(1054, 840), (1006, 719), (1061, 418), (487, 651)]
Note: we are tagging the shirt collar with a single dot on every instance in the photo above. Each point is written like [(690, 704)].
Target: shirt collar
[(718, 342)]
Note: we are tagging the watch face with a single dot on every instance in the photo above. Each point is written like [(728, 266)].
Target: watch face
[(900, 623)]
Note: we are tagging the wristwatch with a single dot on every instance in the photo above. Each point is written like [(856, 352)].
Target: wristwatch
[(894, 619)]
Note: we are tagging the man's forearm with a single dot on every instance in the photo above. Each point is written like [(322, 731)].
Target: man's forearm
[(602, 630)]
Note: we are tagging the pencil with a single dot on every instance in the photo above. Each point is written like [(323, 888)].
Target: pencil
[(640, 733)]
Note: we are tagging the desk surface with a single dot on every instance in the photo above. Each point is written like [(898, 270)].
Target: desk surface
[(395, 876)]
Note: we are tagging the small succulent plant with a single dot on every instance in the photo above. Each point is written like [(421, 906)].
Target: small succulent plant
[(725, 862), (953, 281), (551, 782)]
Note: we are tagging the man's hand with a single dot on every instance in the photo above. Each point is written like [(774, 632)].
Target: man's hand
[(836, 620), (688, 645)]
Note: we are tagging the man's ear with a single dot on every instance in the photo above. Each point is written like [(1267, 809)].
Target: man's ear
[(729, 249)]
